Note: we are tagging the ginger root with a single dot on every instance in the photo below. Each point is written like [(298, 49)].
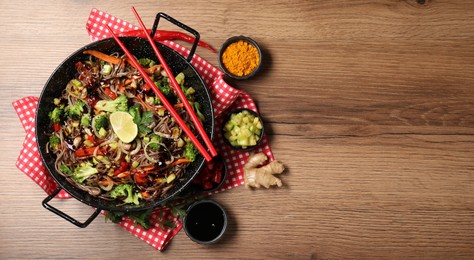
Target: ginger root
[(263, 176)]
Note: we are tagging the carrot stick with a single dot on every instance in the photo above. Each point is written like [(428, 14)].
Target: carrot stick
[(123, 174), (179, 105), (103, 183), (102, 56), (180, 161), (145, 194), (149, 168)]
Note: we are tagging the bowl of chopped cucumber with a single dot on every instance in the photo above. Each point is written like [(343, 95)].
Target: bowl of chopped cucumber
[(243, 129)]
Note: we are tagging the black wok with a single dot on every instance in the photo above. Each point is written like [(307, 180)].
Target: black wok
[(57, 82)]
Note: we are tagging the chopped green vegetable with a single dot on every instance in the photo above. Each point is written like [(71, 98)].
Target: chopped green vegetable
[(164, 87), (65, 169), (83, 172), (106, 69), (54, 142), (57, 114), (155, 141), (118, 104), (190, 91), (170, 178), (135, 164), (86, 120), (157, 101), (243, 129), (101, 122), (74, 111), (88, 143), (113, 145), (102, 132), (146, 62), (180, 78), (126, 193), (190, 151)]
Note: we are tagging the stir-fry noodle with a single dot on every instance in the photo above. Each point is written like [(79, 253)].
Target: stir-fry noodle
[(113, 138)]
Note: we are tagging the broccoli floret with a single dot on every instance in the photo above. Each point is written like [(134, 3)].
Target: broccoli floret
[(83, 172), (118, 104), (164, 87), (101, 122), (54, 142), (155, 141), (101, 125), (126, 193), (65, 169), (86, 120), (75, 111), (146, 62), (57, 114), (190, 151)]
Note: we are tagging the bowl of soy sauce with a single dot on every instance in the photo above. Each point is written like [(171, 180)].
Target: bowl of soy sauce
[(205, 222)]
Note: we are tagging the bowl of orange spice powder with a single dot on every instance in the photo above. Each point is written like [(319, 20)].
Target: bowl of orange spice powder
[(240, 57)]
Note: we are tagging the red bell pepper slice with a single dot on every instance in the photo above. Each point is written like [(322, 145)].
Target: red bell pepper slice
[(110, 93), (123, 167), (57, 127)]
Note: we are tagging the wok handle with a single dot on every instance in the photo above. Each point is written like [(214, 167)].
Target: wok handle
[(181, 25), (64, 215)]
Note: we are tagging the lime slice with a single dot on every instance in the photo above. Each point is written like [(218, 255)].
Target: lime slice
[(123, 126)]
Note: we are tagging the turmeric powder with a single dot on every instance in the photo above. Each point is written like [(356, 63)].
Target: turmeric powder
[(240, 58)]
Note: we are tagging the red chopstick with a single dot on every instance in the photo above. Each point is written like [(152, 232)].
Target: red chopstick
[(165, 102), (177, 88)]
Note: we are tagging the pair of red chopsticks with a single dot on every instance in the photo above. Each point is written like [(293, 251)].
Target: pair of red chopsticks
[(178, 90)]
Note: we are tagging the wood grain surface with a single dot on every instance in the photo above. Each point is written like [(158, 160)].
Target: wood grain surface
[(369, 104)]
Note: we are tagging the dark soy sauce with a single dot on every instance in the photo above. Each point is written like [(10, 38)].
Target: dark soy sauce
[(205, 221)]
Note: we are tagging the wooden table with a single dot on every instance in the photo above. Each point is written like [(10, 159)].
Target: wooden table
[(369, 104)]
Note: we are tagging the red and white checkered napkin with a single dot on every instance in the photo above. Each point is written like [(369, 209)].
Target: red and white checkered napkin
[(224, 98)]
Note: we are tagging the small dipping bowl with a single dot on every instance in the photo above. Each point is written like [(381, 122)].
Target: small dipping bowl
[(205, 222), (227, 118), (236, 39)]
